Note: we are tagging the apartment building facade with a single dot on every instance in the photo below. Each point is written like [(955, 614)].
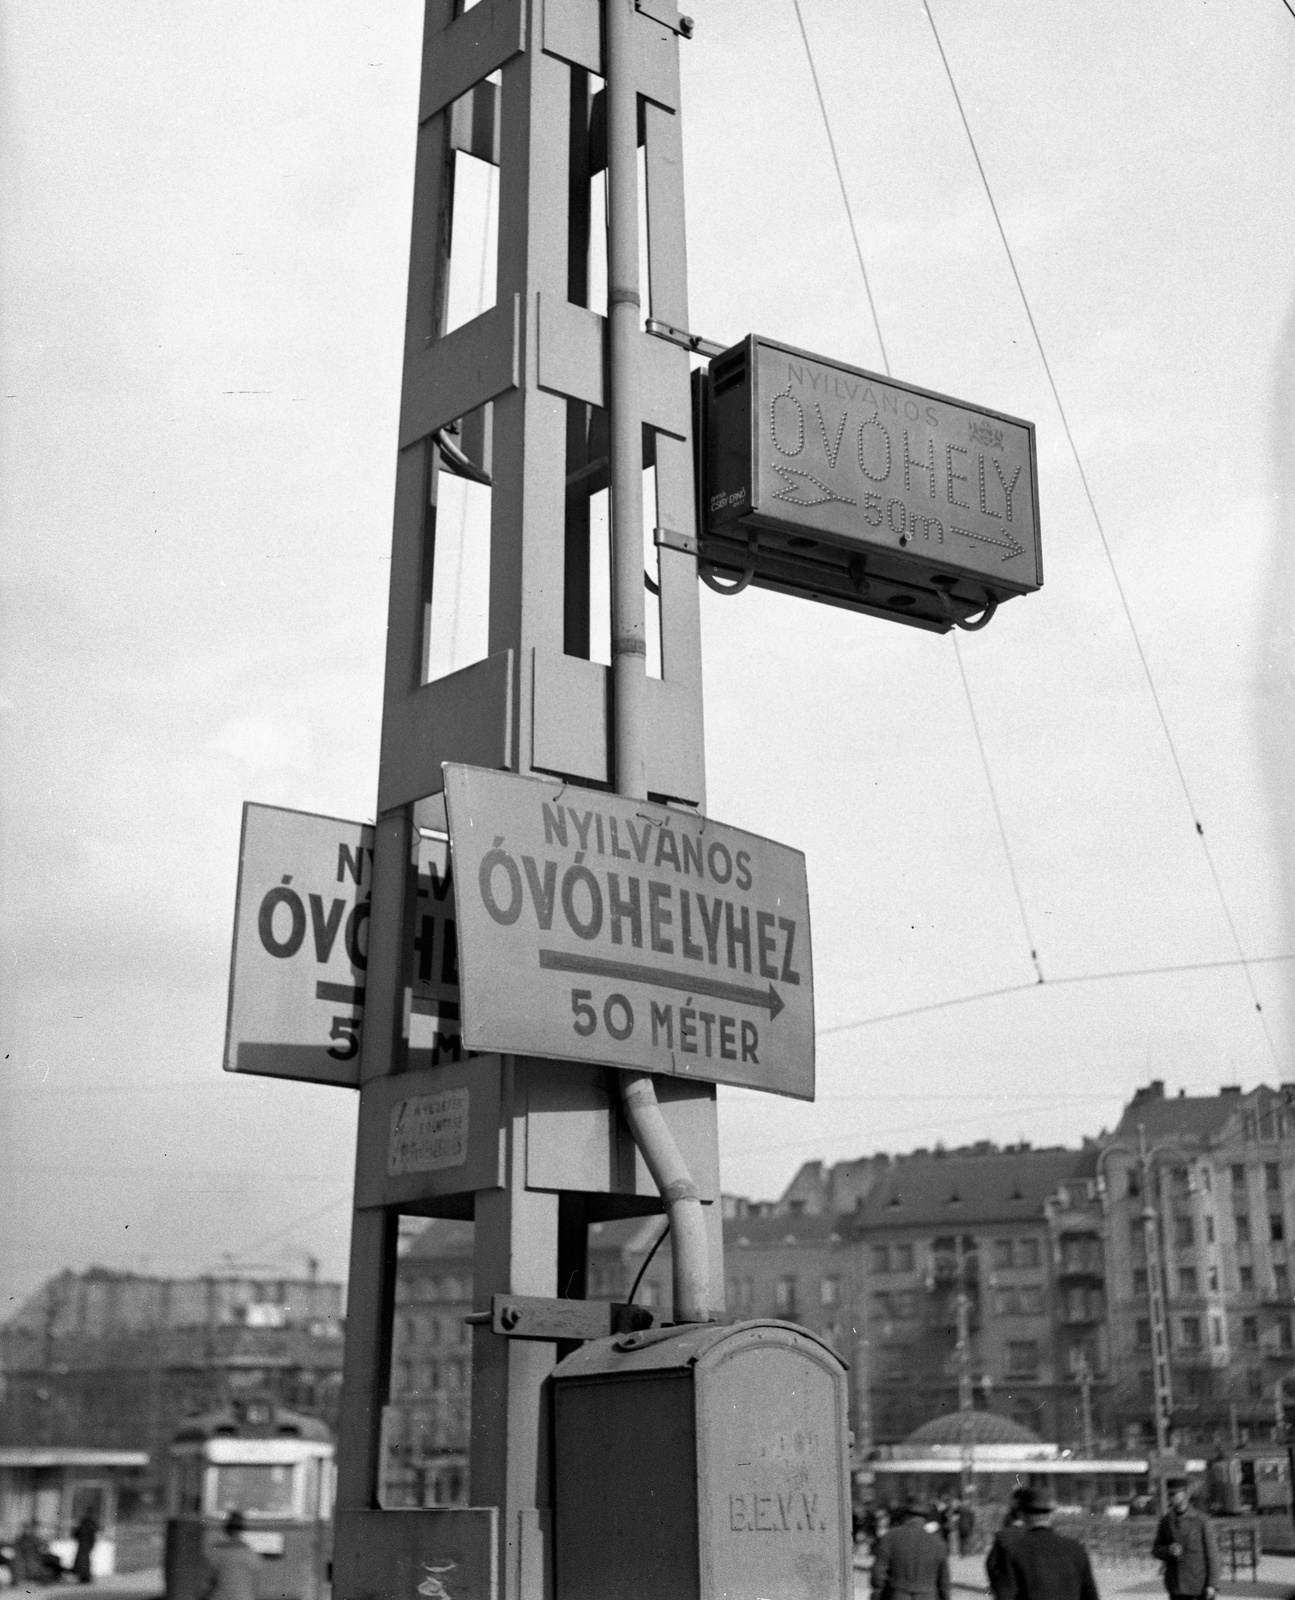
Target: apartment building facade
[(1218, 1172), (102, 1359), (1013, 1234)]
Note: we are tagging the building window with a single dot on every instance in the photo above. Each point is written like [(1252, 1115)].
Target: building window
[(1247, 1280), (903, 1258), (1267, 1128), (881, 1307), (1179, 1181), (1254, 1383), (1216, 1331), (1135, 1183), (1144, 1333), (1243, 1228), (1281, 1281), (1007, 1303), (1187, 1280), (1002, 1252), (1137, 1233), (1238, 1176), (1023, 1357), (1276, 1229), (1031, 1301), (1139, 1280), (1209, 1230), (1284, 1333), (786, 1295), (1250, 1331), (744, 1294), (829, 1291), (1208, 1178), (1184, 1232), (1027, 1253), (1191, 1330), (1272, 1177), (881, 1258), (1214, 1280)]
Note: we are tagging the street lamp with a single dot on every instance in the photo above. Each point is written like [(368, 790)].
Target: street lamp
[(1162, 1388)]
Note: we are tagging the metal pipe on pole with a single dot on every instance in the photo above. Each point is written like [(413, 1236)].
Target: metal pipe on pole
[(629, 622)]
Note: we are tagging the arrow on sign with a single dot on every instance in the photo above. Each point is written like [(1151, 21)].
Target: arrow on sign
[(1010, 543), (689, 982), (824, 496)]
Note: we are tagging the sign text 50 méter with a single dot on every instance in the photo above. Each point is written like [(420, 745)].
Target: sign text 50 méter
[(597, 928)]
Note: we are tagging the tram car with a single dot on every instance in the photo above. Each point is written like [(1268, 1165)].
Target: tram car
[(1256, 1481), (278, 1468)]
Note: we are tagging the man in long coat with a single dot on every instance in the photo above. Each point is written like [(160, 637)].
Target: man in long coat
[(1185, 1543), (1033, 1562), (910, 1563), (233, 1567)]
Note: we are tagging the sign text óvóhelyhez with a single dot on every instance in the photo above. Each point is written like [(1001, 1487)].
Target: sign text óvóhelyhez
[(596, 928)]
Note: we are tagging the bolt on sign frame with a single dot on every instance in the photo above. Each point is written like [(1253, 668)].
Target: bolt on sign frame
[(536, 1150)]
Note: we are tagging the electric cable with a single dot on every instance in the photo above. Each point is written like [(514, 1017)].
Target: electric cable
[(998, 811), (1167, 970), (840, 178), (741, 584), (1110, 558), (647, 1262)]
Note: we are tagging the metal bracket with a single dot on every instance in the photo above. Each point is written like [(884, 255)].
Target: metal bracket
[(670, 540), (687, 341), (666, 13), (524, 1316)]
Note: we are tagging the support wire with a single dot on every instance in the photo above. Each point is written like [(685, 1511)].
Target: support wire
[(1110, 558)]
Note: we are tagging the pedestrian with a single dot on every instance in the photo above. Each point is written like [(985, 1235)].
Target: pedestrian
[(966, 1526), (910, 1563), (1032, 1562), (233, 1566), (86, 1532), (1185, 1543)]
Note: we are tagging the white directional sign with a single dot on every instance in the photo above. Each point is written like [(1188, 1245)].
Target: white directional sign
[(296, 987), (596, 928), (297, 976)]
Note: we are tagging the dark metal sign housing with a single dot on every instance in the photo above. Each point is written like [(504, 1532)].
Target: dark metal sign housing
[(836, 484)]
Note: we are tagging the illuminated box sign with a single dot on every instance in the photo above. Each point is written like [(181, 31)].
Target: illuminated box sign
[(835, 484)]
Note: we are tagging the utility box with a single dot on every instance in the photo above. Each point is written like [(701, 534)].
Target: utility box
[(836, 484), (702, 1463)]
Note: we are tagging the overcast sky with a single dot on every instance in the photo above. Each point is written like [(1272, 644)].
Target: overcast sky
[(202, 282)]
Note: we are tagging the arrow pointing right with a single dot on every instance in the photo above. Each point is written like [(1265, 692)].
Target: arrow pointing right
[(1010, 543), (663, 978)]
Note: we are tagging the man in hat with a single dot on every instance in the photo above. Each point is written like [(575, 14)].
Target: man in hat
[(910, 1563), (1032, 1562), (1185, 1543), (233, 1567)]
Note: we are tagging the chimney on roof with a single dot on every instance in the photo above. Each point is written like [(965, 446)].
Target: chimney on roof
[(1155, 1090), (1182, 1094), (1235, 1088)]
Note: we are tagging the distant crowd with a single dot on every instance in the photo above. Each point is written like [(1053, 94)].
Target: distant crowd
[(1028, 1559)]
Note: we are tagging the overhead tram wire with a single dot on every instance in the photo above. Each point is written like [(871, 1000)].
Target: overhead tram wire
[(876, 322), (845, 197), (998, 813), (1243, 962), (1167, 970)]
